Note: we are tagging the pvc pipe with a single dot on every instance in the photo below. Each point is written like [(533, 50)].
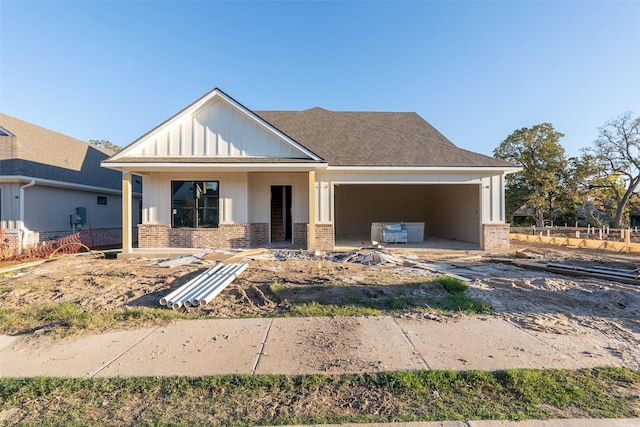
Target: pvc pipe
[(204, 285), (214, 292), (184, 289), (165, 300), (195, 296)]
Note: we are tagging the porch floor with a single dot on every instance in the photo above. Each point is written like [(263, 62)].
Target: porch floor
[(343, 244), (429, 243)]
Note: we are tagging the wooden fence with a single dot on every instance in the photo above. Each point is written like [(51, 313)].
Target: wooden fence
[(623, 245)]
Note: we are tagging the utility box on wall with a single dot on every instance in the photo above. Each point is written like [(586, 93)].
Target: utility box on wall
[(79, 218)]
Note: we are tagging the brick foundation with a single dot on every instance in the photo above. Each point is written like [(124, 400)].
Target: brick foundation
[(325, 237), (495, 237), (225, 236)]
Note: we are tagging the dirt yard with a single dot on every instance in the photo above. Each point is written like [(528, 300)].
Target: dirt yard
[(533, 300)]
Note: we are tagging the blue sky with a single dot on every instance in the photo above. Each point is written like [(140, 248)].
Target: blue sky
[(475, 70)]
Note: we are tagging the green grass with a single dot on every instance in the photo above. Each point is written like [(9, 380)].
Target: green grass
[(243, 400), (276, 287), (70, 318)]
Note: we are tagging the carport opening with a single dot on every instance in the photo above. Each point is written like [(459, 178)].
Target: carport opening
[(448, 211)]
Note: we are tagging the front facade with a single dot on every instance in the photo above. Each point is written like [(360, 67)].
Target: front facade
[(220, 175), (52, 186)]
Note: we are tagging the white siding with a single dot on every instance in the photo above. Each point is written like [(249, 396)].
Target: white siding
[(234, 196), (216, 130), (493, 204), (260, 195)]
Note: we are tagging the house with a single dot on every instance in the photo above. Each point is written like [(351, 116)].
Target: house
[(52, 185), (220, 175)]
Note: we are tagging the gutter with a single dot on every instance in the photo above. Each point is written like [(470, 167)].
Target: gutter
[(22, 228)]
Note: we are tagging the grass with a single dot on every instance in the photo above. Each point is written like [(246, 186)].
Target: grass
[(242, 400), (356, 304), (70, 318)]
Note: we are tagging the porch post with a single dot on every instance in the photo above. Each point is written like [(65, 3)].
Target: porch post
[(311, 239), (126, 212)]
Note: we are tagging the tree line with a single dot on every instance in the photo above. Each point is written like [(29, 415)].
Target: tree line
[(599, 187)]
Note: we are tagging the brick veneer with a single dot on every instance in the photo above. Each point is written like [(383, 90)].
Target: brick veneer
[(163, 236), (259, 234), (495, 236), (300, 234), (325, 237)]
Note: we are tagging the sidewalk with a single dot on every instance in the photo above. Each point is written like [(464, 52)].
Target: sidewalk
[(303, 346), (310, 346)]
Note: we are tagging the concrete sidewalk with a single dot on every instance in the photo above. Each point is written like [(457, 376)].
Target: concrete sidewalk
[(314, 345), (621, 422), (303, 346)]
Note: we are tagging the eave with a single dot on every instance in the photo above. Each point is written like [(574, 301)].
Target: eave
[(142, 167)]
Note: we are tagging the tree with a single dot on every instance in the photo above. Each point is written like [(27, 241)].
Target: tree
[(539, 153), (616, 159), (105, 144)]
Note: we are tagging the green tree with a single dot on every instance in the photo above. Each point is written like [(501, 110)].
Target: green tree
[(105, 144), (615, 156), (537, 186)]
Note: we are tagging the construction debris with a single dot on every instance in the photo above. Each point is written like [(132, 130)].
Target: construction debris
[(181, 260), (529, 254), (366, 256), (438, 269)]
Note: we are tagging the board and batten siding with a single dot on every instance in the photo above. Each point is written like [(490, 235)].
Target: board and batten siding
[(218, 130), (234, 193), (492, 194), (260, 195)]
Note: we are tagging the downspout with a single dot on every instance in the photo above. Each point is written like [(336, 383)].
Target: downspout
[(22, 228)]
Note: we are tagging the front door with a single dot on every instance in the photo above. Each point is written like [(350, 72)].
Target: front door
[(281, 227)]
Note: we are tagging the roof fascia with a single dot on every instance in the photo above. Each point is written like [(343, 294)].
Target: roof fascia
[(456, 169), (5, 131), (61, 184), (204, 167)]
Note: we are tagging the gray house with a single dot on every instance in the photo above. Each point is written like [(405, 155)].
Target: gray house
[(52, 185), (218, 174)]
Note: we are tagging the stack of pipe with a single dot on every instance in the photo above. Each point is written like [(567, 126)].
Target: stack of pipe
[(200, 290)]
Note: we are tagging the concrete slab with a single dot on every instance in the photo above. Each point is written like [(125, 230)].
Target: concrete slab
[(592, 349), (79, 357), (6, 341), (194, 348), (490, 344), (585, 422), (320, 345)]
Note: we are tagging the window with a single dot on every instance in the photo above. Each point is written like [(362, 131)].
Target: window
[(102, 200), (194, 204)]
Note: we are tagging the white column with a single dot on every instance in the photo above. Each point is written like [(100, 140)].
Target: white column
[(126, 212)]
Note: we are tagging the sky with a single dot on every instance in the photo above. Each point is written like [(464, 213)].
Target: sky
[(476, 70)]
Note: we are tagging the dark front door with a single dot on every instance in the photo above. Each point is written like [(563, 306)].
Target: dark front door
[(281, 227)]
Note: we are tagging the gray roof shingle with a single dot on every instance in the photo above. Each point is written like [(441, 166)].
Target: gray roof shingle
[(374, 139), (37, 152)]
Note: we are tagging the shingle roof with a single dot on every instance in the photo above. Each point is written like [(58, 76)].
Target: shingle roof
[(374, 139), (36, 152)]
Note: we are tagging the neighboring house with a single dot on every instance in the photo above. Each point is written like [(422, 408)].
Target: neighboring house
[(220, 175), (52, 185)]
